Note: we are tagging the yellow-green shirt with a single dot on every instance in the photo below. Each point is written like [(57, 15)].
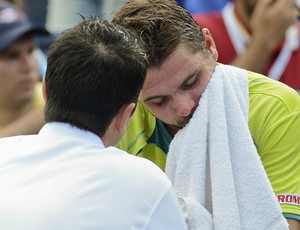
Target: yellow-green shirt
[(38, 96), (274, 123)]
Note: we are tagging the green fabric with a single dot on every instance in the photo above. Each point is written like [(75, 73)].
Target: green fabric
[(274, 123)]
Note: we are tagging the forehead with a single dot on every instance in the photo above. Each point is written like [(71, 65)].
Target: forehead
[(176, 68)]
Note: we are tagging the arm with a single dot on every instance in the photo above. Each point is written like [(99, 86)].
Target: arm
[(274, 121), (280, 156), (30, 123), (268, 24), (293, 224), (282, 171)]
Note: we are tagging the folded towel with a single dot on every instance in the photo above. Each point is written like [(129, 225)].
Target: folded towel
[(214, 166)]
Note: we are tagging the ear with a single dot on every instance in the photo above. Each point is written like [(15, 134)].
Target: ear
[(118, 125), (123, 117), (210, 44), (44, 91)]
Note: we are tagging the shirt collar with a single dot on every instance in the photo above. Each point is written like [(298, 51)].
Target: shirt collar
[(64, 130)]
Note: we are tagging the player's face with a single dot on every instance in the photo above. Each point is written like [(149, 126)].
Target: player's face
[(172, 91)]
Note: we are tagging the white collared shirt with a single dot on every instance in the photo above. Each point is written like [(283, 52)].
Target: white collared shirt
[(64, 178)]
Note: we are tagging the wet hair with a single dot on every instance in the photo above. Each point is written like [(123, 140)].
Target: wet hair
[(162, 25)]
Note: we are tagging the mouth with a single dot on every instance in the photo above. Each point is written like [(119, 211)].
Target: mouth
[(184, 121)]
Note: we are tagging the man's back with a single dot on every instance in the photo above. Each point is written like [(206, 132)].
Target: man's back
[(64, 178)]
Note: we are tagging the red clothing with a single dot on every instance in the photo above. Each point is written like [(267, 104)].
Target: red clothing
[(215, 23)]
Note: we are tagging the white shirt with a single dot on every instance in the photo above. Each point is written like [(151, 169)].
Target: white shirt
[(64, 178)]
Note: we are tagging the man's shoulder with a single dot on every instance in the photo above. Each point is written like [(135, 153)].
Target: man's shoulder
[(131, 172), (15, 141), (265, 89), (13, 149), (135, 165)]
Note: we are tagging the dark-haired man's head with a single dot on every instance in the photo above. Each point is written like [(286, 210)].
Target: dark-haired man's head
[(95, 70)]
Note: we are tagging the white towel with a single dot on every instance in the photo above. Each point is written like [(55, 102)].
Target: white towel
[(214, 166)]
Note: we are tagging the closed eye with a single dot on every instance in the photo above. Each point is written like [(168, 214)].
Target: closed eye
[(190, 82), (159, 101)]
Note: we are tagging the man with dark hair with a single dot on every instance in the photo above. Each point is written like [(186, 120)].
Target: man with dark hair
[(67, 176), (181, 64)]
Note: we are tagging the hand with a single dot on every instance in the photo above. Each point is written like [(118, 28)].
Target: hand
[(293, 224), (270, 20)]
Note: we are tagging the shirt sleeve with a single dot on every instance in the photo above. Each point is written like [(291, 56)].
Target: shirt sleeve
[(281, 159), (274, 121)]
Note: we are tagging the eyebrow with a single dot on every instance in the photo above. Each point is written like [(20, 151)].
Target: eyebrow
[(191, 75)]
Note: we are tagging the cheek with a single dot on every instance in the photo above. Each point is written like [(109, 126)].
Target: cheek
[(7, 76), (200, 88), (195, 94), (166, 115), (36, 68), (4, 70), (6, 86), (162, 113)]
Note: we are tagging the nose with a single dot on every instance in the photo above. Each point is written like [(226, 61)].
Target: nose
[(183, 105)]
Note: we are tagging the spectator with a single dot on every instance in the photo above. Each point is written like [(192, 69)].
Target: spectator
[(43, 41), (68, 176), (21, 103), (258, 35)]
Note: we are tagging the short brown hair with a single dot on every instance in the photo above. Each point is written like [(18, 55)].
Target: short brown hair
[(162, 25)]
